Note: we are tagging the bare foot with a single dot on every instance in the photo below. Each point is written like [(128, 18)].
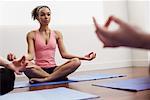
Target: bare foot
[(37, 80), (40, 80)]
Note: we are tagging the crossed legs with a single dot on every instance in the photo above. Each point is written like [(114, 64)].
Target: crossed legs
[(36, 74)]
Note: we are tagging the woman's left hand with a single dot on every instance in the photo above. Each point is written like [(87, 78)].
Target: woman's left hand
[(90, 56)]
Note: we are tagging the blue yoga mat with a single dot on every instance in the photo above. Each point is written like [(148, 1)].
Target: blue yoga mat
[(136, 84), (75, 78), (61, 93), (94, 76), (24, 84)]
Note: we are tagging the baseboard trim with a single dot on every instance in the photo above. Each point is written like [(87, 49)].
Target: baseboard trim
[(114, 64)]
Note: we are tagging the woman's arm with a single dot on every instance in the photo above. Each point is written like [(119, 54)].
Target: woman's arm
[(4, 62), (64, 52), (30, 42), (30, 52)]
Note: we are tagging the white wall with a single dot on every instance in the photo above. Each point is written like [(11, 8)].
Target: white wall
[(139, 14), (74, 20), (120, 57), (63, 12)]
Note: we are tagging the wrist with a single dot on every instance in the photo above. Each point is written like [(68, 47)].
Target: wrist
[(7, 63), (144, 41), (82, 58), (10, 66)]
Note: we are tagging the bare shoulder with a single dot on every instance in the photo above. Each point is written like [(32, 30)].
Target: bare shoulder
[(58, 34), (31, 34)]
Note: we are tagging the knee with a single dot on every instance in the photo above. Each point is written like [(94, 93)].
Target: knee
[(76, 62)]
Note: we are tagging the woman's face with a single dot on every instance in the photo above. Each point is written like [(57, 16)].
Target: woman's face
[(44, 16)]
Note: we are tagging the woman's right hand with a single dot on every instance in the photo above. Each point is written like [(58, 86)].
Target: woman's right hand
[(126, 34), (11, 57), (19, 65)]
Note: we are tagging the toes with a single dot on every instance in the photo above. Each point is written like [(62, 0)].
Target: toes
[(31, 81)]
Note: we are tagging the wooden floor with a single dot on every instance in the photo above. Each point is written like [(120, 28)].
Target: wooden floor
[(105, 93)]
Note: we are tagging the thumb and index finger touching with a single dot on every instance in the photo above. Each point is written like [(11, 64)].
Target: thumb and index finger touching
[(23, 61), (111, 18), (103, 30)]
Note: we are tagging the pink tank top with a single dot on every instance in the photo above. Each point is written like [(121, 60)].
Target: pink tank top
[(45, 53)]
